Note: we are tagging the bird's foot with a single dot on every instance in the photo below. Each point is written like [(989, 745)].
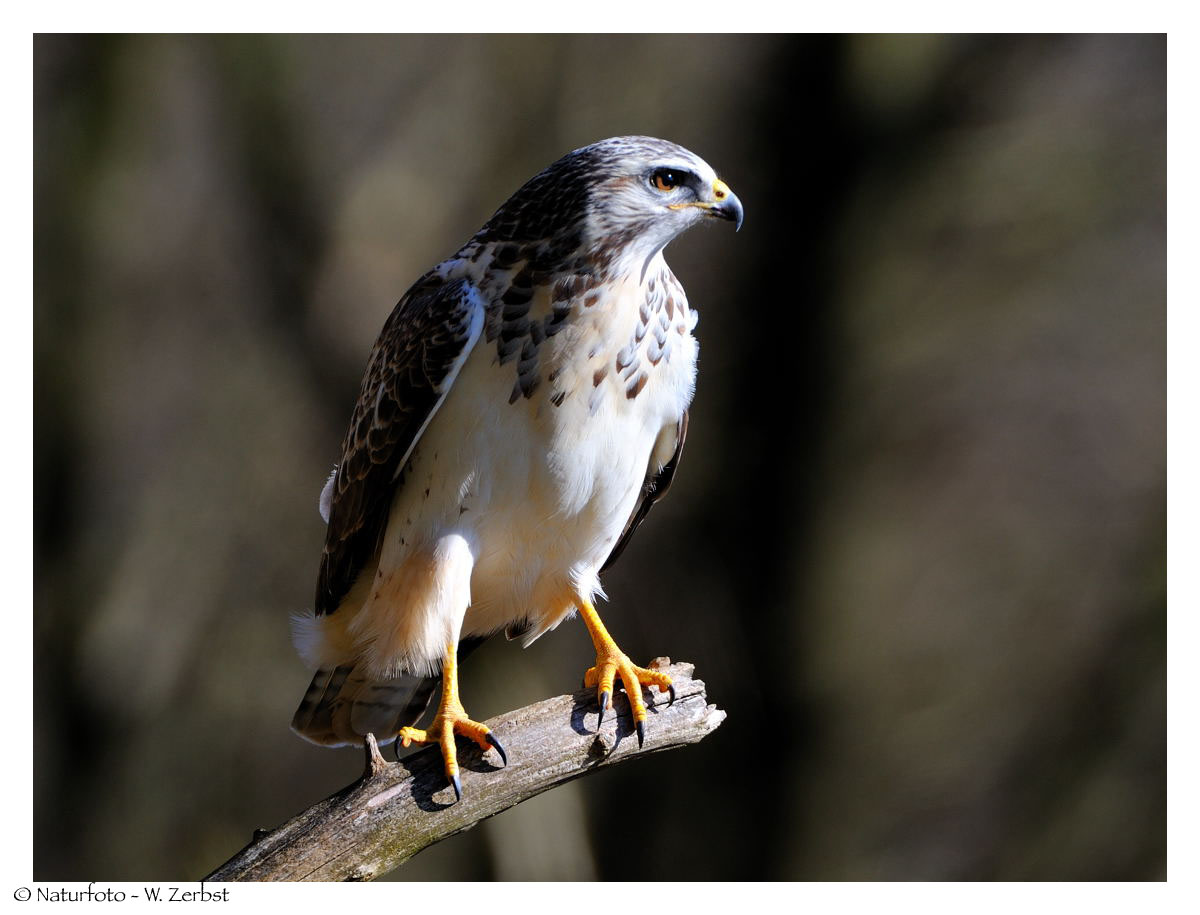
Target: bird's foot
[(611, 663), (450, 720)]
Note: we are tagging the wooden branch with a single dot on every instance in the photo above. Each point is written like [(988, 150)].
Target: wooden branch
[(396, 809)]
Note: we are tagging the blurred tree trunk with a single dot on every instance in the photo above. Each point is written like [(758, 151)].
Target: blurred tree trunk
[(981, 603), (926, 459)]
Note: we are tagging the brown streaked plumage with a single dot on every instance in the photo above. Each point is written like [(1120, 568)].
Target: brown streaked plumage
[(522, 410)]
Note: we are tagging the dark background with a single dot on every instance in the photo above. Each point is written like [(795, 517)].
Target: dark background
[(916, 547)]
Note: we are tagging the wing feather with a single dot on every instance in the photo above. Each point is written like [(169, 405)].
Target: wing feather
[(419, 353), (656, 484)]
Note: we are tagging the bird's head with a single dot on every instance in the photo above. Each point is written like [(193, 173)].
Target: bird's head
[(649, 185), (632, 194)]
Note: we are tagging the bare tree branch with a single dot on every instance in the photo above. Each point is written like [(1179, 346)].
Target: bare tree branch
[(397, 809)]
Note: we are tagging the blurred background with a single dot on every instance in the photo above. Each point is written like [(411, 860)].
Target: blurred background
[(916, 547)]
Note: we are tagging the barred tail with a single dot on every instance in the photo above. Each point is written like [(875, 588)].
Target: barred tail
[(343, 705)]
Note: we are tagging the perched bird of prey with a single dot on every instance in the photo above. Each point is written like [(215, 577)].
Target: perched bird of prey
[(524, 406)]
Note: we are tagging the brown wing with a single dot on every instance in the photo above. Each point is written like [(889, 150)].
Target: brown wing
[(653, 489), (418, 354)]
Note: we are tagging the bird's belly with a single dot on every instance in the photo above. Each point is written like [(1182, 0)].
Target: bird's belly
[(540, 491)]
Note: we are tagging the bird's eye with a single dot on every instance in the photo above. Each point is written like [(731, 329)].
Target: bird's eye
[(665, 180)]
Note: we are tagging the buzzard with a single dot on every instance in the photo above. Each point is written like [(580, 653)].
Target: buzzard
[(523, 408)]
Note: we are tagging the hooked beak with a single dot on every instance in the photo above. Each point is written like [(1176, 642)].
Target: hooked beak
[(725, 204)]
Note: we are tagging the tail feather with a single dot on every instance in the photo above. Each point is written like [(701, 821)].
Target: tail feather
[(314, 711), (343, 705)]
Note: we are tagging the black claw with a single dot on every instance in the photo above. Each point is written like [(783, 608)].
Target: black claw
[(604, 697), (491, 738), (671, 693), (641, 731), (457, 784)]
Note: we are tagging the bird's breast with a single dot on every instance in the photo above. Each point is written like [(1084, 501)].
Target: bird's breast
[(539, 453)]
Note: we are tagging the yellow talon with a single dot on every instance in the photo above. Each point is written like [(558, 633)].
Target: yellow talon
[(451, 719), (611, 663)]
